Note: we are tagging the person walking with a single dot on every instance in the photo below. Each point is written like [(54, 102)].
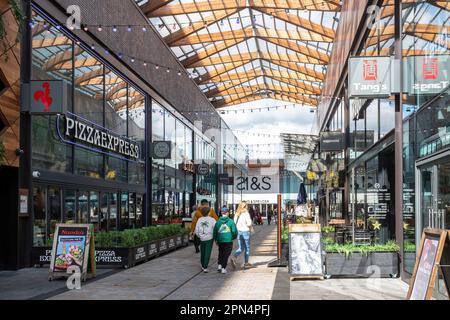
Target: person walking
[(269, 216), (244, 226), (197, 215), (204, 229), (224, 233)]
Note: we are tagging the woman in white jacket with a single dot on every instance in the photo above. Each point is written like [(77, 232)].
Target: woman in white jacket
[(244, 227)]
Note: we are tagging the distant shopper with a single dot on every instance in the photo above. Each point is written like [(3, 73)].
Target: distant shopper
[(244, 226), (197, 215), (269, 216), (204, 229), (224, 233)]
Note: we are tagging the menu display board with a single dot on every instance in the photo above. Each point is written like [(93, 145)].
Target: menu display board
[(305, 251), (429, 256), (72, 245)]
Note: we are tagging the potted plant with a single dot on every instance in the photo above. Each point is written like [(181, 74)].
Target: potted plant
[(379, 260), (328, 232), (285, 244)]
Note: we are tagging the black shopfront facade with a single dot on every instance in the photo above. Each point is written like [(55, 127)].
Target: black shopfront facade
[(71, 178)]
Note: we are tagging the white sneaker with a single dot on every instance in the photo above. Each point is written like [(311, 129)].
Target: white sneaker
[(219, 268), (205, 270), (223, 270)]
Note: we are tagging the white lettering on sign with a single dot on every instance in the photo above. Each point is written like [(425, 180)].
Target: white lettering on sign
[(97, 137), (257, 184), (424, 87)]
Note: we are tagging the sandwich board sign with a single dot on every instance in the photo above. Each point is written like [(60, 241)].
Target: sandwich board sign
[(73, 251), (305, 251), (434, 246), (369, 77)]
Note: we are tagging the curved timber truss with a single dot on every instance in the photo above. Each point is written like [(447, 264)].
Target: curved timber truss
[(245, 50)]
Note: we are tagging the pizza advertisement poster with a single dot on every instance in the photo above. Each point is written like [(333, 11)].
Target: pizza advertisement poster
[(70, 248)]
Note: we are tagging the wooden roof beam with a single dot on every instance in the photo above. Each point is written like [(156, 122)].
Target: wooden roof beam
[(153, 5), (246, 33), (215, 48), (299, 22), (185, 32), (196, 7)]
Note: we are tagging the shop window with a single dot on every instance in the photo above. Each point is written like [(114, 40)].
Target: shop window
[(139, 210), (116, 95), (116, 169), (169, 134), (69, 206), (82, 207), (112, 215), (103, 214), (124, 211), (39, 222), (53, 208), (94, 213), (88, 163), (132, 210)]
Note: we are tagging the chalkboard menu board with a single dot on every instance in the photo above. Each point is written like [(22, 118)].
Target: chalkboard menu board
[(429, 256), (305, 251)]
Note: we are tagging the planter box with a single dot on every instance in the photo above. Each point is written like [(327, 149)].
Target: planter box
[(382, 264), (139, 254), (172, 243), (284, 252), (185, 239), (179, 241), (153, 249), (123, 257), (163, 245)]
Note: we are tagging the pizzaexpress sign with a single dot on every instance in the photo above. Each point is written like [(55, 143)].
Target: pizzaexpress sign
[(75, 130)]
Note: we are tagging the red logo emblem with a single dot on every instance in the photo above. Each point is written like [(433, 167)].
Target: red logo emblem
[(44, 96), (430, 69), (370, 70)]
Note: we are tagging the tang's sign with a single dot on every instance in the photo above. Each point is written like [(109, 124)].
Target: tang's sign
[(75, 130), (369, 77), (44, 97), (427, 74)]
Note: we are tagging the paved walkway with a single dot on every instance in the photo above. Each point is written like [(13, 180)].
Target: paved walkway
[(178, 276)]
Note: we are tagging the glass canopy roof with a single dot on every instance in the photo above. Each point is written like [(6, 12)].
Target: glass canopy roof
[(244, 50)]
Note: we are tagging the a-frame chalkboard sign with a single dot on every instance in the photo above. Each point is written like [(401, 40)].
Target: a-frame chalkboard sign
[(434, 249), (73, 251)]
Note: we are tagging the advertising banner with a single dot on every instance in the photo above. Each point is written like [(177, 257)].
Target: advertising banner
[(369, 77), (71, 248)]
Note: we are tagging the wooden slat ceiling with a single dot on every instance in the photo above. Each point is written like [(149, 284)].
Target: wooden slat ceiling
[(246, 50)]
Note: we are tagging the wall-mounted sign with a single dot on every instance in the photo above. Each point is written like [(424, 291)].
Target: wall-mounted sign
[(331, 141), (427, 74), (203, 169), (73, 129), (44, 97), (161, 149), (360, 139), (257, 184), (23, 202), (187, 166), (369, 77)]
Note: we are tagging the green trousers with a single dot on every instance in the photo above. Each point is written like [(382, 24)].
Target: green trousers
[(205, 252)]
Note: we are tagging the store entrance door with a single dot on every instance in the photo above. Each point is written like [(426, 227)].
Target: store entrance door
[(434, 201)]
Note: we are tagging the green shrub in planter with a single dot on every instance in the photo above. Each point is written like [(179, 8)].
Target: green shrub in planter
[(349, 248), (103, 240)]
